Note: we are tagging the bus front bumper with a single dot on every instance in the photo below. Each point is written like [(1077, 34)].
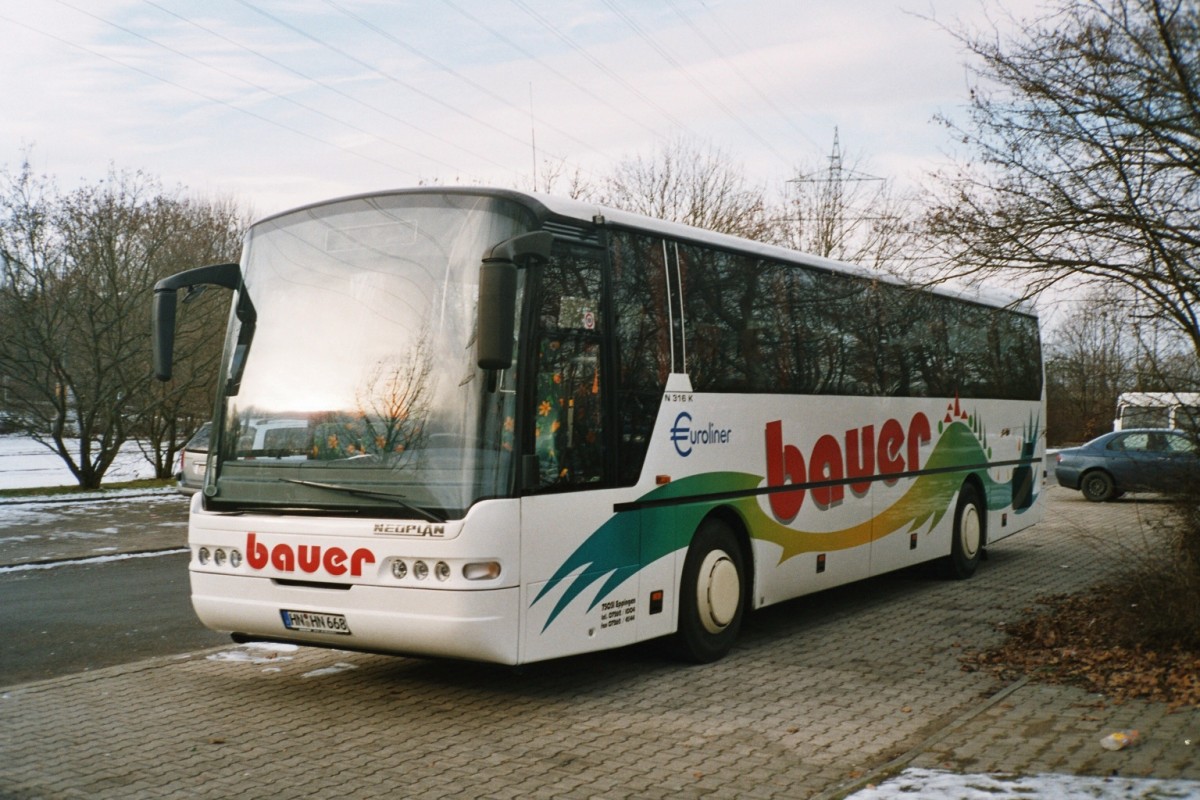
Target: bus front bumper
[(476, 625)]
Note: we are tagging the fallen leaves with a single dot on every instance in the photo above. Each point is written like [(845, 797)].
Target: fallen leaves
[(1072, 641)]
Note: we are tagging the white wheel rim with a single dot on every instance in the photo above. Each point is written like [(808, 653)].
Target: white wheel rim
[(970, 531), (718, 591)]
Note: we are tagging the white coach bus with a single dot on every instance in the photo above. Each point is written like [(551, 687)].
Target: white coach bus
[(513, 427)]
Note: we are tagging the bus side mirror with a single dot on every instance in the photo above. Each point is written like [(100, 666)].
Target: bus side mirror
[(498, 296), (164, 333), (165, 302)]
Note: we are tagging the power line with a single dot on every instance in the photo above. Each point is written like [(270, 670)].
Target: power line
[(754, 86), (600, 65), (552, 70), (386, 75), (345, 95), (201, 94), (451, 71), (256, 86), (679, 67)]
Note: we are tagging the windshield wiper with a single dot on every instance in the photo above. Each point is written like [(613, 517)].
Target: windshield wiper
[(424, 514)]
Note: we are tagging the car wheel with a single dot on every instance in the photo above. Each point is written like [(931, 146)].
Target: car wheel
[(712, 599), (1097, 486), (966, 546)]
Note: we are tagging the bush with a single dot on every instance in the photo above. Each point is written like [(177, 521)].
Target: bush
[(1159, 599)]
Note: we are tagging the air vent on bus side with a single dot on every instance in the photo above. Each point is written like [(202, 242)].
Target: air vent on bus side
[(574, 233)]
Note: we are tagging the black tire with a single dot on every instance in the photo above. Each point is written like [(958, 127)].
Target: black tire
[(712, 594), (1098, 486), (969, 536)]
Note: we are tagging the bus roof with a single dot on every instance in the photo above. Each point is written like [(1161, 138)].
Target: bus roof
[(552, 206)]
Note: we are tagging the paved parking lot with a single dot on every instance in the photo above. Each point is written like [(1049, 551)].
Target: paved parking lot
[(821, 694)]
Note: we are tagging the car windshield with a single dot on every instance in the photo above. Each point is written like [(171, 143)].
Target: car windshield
[(355, 385)]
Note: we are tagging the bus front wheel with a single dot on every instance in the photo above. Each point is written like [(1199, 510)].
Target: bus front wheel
[(712, 592), (966, 547)]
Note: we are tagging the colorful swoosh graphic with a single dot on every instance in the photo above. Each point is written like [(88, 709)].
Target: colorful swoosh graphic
[(630, 540)]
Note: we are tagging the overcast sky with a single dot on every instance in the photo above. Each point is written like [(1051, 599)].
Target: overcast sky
[(282, 102)]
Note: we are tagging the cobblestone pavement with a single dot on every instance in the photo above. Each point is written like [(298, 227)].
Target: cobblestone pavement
[(821, 695)]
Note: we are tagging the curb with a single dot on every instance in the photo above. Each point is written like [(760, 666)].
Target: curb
[(48, 563), (86, 498)]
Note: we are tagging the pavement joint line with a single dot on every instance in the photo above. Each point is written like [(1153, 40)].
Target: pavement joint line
[(880, 773)]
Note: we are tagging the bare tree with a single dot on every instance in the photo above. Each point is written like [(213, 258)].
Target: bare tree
[(689, 183), (1085, 125), (395, 403), (202, 232), (75, 300), (1090, 360), (557, 177)]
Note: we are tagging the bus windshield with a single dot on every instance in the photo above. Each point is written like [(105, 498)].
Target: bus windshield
[(356, 387)]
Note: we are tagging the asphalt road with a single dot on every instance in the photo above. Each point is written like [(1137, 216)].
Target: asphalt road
[(74, 618)]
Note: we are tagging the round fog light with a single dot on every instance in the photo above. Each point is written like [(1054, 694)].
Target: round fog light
[(442, 571), (399, 570), (219, 558), (421, 570), (235, 558), (202, 555)]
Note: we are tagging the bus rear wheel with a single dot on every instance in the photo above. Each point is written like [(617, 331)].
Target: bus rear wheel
[(712, 591), (966, 546)]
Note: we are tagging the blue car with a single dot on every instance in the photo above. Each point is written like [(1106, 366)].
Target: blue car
[(1142, 460)]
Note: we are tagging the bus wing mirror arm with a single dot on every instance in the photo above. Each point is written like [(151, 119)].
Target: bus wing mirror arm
[(166, 300), (498, 295)]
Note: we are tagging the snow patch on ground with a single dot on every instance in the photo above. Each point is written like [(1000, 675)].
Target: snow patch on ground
[(928, 784), (255, 653), (341, 666)]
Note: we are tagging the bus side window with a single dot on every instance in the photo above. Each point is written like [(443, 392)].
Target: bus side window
[(568, 414), (642, 338), (569, 421)]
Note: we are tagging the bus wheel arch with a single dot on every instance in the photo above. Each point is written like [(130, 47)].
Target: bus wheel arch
[(714, 589), (969, 532)]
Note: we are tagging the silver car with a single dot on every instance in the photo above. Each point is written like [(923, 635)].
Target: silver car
[(193, 459)]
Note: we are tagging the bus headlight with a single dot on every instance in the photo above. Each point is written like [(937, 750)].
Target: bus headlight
[(219, 558), (202, 555), (442, 570), (420, 570), (399, 569), (235, 558), (481, 570)]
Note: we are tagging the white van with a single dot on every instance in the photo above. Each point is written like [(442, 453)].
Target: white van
[(1157, 410)]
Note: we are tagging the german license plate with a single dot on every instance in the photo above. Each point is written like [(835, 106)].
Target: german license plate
[(314, 622)]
